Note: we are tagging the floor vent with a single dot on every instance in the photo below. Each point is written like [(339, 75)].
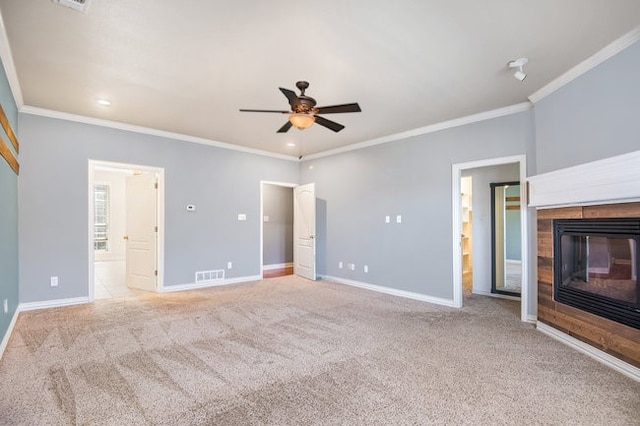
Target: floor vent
[(209, 276), (79, 5)]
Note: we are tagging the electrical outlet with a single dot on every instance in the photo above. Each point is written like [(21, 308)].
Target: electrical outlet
[(398, 219), (366, 269), (387, 219), (340, 265), (229, 265), (5, 306), (54, 281), (352, 266)]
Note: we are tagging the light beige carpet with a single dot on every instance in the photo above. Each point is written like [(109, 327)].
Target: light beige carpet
[(287, 351)]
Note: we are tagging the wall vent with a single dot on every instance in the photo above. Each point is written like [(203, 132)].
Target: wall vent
[(79, 5), (209, 276)]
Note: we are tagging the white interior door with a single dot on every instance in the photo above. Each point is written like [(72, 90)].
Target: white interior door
[(141, 238), (304, 231)]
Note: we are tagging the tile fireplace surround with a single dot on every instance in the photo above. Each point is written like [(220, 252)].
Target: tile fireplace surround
[(608, 188)]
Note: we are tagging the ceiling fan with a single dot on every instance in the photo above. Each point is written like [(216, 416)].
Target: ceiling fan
[(304, 111)]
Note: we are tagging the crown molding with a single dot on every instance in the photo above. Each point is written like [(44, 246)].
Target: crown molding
[(588, 64), (148, 131), (486, 115), (9, 65)]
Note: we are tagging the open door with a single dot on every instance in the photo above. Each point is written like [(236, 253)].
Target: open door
[(141, 238), (304, 231)]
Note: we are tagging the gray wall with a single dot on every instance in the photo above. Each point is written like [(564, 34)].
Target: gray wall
[(481, 224), (593, 117), (278, 231), (54, 201), (412, 178), (8, 214)]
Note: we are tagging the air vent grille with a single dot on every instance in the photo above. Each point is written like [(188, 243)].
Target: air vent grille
[(209, 276), (79, 5)]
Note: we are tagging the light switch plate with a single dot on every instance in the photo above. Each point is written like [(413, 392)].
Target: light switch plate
[(242, 216)]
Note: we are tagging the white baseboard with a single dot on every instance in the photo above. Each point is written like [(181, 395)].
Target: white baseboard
[(7, 335), (194, 286), (30, 306), (391, 291), (595, 353), (277, 266), (532, 319)]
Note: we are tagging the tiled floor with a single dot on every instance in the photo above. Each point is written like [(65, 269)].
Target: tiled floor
[(110, 280)]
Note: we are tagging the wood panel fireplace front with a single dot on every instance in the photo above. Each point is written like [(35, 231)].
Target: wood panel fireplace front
[(588, 275)]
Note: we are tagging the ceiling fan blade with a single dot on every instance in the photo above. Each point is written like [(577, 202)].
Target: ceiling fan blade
[(292, 97), (264, 110), (285, 128), (332, 125), (336, 109)]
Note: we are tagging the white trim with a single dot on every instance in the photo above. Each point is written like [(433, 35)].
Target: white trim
[(595, 353), (456, 174), (588, 64), (148, 131), (193, 286), (462, 121), (7, 335), (9, 65), (277, 266), (391, 291), (160, 175), (46, 304), (532, 319), (606, 181)]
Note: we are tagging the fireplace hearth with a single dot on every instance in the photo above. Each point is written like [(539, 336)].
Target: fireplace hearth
[(596, 267)]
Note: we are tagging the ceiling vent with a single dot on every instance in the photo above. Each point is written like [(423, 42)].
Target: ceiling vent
[(79, 5)]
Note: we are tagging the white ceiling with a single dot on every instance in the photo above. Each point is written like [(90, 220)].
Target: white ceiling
[(187, 66)]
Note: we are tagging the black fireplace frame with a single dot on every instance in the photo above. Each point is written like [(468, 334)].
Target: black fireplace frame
[(613, 309)]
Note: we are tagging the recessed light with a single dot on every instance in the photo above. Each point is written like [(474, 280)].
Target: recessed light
[(104, 102), (291, 144)]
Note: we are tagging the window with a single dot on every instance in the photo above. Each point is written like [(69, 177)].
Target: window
[(101, 217)]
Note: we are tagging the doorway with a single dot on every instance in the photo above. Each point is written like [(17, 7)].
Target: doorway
[(519, 161), (277, 230), (303, 230), (126, 229)]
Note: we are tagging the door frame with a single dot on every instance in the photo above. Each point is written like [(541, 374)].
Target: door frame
[(262, 184), (527, 288), (159, 172)]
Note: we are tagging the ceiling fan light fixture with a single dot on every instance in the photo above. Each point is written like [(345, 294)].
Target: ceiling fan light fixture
[(301, 121)]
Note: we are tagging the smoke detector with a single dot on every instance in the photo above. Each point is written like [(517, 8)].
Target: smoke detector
[(79, 5)]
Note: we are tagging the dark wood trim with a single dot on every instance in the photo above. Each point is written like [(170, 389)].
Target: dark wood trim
[(8, 130), (7, 154)]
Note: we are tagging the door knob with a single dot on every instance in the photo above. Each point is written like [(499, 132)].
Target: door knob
[(126, 238)]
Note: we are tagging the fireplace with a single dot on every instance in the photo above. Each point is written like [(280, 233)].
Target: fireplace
[(596, 267)]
